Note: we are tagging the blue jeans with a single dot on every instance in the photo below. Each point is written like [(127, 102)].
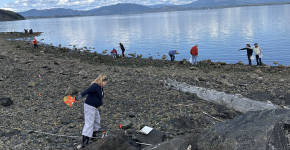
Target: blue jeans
[(172, 57), (259, 61), (194, 59)]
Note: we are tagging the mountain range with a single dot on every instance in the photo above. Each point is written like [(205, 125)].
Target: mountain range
[(129, 8)]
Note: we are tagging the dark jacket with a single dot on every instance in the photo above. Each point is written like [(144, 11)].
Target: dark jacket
[(249, 50), (95, 95), (122, 47)]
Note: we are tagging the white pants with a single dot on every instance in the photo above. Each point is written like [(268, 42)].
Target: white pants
[(92, 120)]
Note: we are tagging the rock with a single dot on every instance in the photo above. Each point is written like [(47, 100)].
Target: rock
[(31, 84), (64, 120), (126, 124), (228, 114), (183, 123), (180, 143), (277, 92), (259, 96), (71, 91), (281, 66), (202, 79), (275, 62), (6, 101), (111, 142), (139, 56), (131, 115), (253, 130), (253, 75), (64, 72), (193, 68), (259, 72), (153, 137), (83, 73), (240, 63)]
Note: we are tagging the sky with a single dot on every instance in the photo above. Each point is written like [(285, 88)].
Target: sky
[(24, 5)]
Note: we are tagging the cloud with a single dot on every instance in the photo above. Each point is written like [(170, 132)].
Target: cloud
[(24, 5)]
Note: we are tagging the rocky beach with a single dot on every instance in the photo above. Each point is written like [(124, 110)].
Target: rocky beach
[(33, 83)]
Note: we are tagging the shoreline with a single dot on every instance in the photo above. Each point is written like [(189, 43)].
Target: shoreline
[(36, 80)]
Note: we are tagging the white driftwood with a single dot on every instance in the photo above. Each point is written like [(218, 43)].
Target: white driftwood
[(235, 102)]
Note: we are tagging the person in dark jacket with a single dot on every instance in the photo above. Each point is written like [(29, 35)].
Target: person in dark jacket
[(172, 54), (123, 49), (249, 52), (93, 101)]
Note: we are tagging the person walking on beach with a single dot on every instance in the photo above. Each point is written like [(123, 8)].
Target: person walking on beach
[(249, 52), (172, 54), (35, 43), (123, 49), (114, 53), (11, 34), (194, 54), (93, 101), (258, 52)]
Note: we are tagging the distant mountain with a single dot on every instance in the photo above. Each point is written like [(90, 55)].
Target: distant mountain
[(264, 1), (6, 15), (157, 6), (128, 8), (53, 12), (124, 8), (215, 3)]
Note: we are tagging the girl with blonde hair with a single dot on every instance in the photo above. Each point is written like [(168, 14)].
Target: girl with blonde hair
[(93, 101)]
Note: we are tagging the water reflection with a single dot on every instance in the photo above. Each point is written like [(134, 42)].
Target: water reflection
[(218, 32)]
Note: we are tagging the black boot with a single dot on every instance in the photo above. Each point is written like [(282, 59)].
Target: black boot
[(85, 141)]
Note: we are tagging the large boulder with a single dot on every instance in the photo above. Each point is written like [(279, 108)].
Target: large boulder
[(256, 130)]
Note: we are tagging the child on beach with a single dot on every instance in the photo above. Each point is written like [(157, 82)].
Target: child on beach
[(114, 53), (93, 101), (123, 49), (35, 43), (249, 52)]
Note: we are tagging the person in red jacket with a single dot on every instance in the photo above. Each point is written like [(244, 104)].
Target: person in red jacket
[(114, 53), (194, 54), (35, 43)]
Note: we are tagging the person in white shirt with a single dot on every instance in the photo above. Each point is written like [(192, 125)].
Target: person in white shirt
[(258, 52)]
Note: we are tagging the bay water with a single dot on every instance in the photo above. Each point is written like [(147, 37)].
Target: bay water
[(219, 33)]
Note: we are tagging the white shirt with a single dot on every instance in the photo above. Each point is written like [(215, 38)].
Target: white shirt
[(258, 50)]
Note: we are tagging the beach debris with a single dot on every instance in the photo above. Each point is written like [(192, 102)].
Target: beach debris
[(164, 57), (146, 130), (234, 102), (275, 62), (69, 100), (105, 51)]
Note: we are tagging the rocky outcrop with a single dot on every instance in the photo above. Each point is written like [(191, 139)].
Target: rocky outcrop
[(264, 130), (6, 15)]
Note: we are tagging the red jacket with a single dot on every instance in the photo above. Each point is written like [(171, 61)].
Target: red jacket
[(114, 51), (194, 51), (34, 41)]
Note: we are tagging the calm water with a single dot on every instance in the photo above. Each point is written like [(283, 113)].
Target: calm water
[(218, 32)]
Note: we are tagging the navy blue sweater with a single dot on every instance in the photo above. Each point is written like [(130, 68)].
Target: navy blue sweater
[(95, 95)]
